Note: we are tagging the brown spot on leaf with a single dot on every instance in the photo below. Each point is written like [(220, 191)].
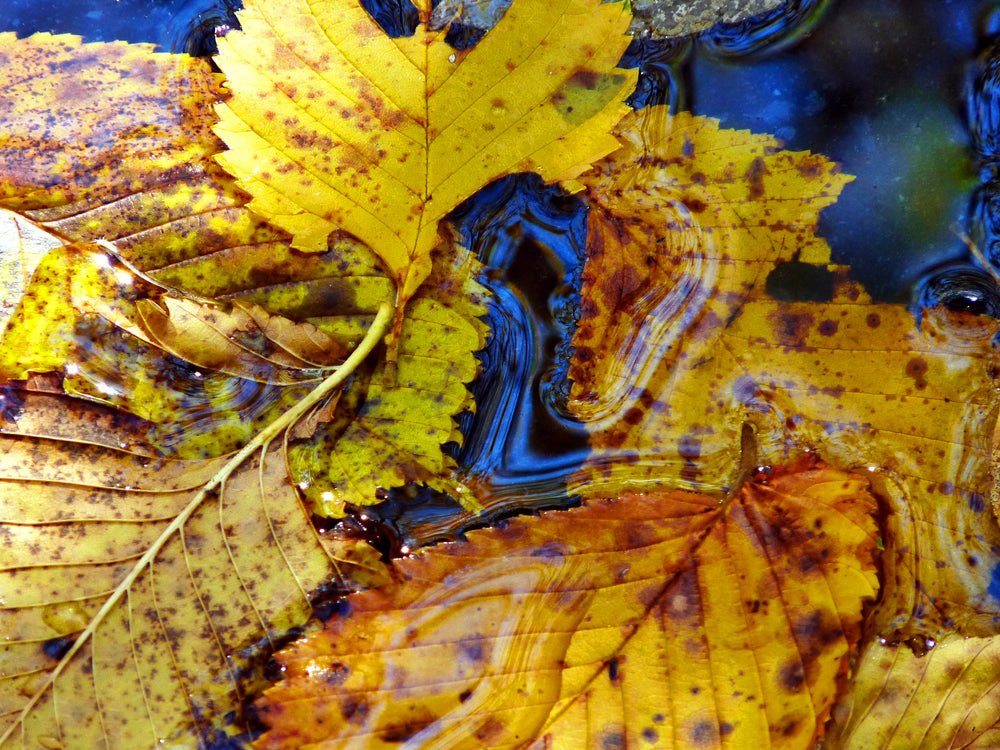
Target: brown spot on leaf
[(790, 328), (916, 369), (703, 734), (585, 78), (404, 731), (755, 177), (792, 677)]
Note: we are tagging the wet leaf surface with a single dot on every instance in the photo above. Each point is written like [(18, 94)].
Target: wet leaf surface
[(333, 125), (689, 236), (186, 227), (662, 620), (87, 524), (171, 319), (901, 698)]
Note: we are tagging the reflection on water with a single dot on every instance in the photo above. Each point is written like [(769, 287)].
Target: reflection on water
[(175, 25), (769, 32), (876, 86)]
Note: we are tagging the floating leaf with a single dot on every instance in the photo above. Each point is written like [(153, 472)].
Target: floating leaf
[(135, 587), (692, 228), (186, 227), (333, 125), (97, 121), (383, 437), (901, 699), (664, 620)]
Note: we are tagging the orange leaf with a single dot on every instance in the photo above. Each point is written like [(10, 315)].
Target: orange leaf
[(664, 620), (691, 227)]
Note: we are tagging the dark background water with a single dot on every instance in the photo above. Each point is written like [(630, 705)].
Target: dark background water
[(881, 87)]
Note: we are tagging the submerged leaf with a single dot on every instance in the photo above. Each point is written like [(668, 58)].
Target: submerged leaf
[(662, 620), (186, 227), (88, 317), (691, 230), (135, 588), (333, 125), (22, 245)]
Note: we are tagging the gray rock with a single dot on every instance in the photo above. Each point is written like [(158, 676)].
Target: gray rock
[(674, 18), (662, 19)]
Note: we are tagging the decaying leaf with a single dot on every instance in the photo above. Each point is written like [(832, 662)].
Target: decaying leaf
[(333, 125), (85, 121), (22, 245), (383, 437), (136, 587), (899, 699), (186, 227), (690, 225), (661, 620), (115, 337)]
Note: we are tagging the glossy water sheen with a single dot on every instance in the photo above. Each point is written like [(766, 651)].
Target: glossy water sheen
[(176, 25), (878, 86), (890, 88)]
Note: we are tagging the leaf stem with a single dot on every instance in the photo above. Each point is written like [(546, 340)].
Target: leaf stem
[(262, 439)]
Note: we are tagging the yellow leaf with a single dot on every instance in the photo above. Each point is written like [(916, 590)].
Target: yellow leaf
[(91, 319), (688, 227), (186, 227), (664, 620), (135, 588), (383, 437), (22, 245), (236, 340), (333, 125), (901, 699)]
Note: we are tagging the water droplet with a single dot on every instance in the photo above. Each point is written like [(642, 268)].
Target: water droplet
[(452, 57)]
